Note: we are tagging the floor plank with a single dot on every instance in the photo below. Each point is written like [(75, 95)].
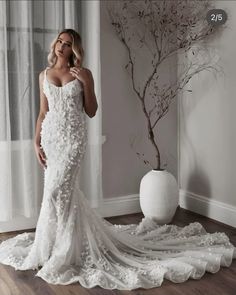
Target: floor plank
[(222, 283)]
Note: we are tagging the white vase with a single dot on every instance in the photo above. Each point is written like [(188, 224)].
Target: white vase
[(159, 196)]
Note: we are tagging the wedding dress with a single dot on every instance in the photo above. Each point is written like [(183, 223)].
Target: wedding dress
[(72, 243)]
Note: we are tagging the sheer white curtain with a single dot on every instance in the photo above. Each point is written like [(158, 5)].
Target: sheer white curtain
[(91, 171), (26, 30)]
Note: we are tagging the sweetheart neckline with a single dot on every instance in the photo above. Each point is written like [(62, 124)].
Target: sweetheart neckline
[(56, 85), (62, 85)]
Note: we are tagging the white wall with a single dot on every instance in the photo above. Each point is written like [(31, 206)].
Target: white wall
[(123, 117), (207, 134)]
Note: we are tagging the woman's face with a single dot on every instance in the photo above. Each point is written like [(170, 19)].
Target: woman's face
[(63, 46)]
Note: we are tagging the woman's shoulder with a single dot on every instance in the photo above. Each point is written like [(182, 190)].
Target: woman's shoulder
[(43, 71), (86, 69)]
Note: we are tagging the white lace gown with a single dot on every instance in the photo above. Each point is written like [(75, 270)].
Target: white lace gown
[(72, 243)]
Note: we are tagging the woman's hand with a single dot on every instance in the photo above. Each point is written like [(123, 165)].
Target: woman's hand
[(40, 155), (81, 74)]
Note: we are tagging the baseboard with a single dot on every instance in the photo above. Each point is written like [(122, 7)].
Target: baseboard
[(213, 209), (18, 223), (120, 206)]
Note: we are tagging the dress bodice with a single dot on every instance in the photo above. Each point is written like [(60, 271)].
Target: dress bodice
[(64, 99), (64, 124)]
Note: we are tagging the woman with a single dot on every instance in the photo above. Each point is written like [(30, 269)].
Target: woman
[(72, 243), (65, 61)]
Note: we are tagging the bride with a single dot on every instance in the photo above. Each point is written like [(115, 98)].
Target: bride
[(72, 242)]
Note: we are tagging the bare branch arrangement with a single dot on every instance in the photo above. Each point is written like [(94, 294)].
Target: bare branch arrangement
[(163, 28)]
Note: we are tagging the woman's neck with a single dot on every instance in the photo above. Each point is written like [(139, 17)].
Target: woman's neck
[(61, 64)]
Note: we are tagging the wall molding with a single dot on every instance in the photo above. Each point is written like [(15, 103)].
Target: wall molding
[(123, 205), (210, 208), (213, 209), (18, 223)]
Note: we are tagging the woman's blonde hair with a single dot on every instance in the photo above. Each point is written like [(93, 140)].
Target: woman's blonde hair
[(76, 59)]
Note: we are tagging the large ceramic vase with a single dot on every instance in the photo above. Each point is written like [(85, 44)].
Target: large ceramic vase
[(159, 196)]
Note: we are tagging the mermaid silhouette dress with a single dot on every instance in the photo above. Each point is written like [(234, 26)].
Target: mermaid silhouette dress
[(73, 243)]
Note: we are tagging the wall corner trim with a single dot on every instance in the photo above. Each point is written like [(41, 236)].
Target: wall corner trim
[(213, 209)]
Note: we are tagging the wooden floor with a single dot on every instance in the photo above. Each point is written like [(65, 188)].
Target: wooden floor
[(222, 283)]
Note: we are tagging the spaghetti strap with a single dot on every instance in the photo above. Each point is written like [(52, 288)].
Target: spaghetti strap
[(45, 80), (45, 73)]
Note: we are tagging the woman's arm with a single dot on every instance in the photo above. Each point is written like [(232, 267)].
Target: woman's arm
[(42, 112), (90, 101)]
